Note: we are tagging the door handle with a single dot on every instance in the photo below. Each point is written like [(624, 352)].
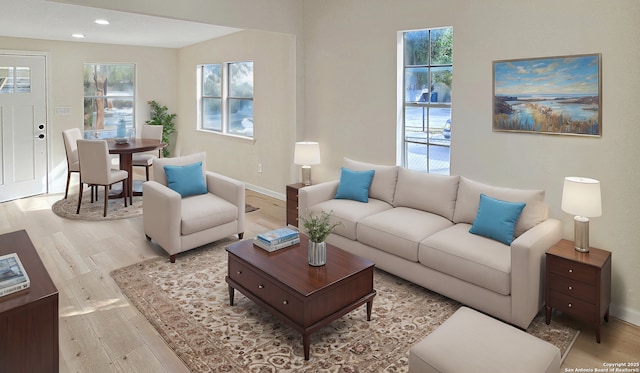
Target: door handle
[(41, 126), (40, 136)]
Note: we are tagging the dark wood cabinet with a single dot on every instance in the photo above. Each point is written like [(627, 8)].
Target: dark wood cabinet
[(292, 203), (28, 318), (578, 284)]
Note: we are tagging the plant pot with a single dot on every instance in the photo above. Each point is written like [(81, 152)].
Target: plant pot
[(317, 253)]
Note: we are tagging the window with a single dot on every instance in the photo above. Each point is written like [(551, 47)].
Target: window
[(225, 98), (426, 102), (15, 79), (109, 100)]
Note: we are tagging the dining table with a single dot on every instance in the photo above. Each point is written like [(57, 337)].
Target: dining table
[(125, 152)]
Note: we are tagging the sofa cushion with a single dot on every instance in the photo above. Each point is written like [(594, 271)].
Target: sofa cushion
[(348, 213), (187, 180), (383, 185), (205, 211), (469, 257), (496, 219), (428, 192), (534, 213), (354, 185), (399, 230)]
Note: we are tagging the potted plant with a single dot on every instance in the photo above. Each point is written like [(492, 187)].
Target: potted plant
[(160, 117), (318, 228)]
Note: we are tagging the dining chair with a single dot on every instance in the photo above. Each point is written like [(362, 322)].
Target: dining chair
[(95, 169), (70, 136), (145, 159)]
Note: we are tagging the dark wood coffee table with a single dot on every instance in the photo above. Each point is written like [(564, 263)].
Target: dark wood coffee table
[(304, 297)]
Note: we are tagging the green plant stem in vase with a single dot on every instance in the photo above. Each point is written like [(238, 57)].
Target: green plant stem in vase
[(318, 228)]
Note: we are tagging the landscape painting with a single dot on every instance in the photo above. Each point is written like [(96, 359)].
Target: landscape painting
[(552, 95)]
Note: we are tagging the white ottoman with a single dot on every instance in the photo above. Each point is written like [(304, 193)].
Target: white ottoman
[(470, 341)]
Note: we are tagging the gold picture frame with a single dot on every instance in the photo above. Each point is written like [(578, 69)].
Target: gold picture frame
[(549, 95)]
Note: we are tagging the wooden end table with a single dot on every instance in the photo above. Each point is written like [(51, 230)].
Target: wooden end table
[(292, 203), (578, 284), (28, 318), (304, 297)]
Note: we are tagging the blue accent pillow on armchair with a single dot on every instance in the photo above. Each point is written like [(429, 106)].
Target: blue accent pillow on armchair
[(496, 219), (354, 185), (187, 180)]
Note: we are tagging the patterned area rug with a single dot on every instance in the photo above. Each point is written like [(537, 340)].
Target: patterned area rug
[(66, 208), (188, 303)]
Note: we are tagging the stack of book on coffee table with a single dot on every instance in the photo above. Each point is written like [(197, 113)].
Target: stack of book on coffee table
[(277, 239)]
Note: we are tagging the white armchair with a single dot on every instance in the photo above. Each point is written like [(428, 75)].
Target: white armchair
[(179, 224)]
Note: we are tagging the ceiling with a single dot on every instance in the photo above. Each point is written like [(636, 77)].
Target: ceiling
[(41, 19)]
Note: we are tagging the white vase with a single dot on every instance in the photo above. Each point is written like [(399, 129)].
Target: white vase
[(317, 253)]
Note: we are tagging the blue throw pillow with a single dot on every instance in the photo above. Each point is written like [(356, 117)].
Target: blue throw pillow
[(497, 219), (187, 180), (354, 185)]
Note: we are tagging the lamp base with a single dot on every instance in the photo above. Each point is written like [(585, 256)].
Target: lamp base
[(581, 233), (306, 175)]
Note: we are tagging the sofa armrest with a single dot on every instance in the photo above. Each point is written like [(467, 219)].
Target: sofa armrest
[(528, 269), (314, 194), (230, 190), (162, 212)]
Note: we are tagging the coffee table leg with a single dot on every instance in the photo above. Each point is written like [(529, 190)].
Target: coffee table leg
[(369, 308), (305, 345), (231, 295)]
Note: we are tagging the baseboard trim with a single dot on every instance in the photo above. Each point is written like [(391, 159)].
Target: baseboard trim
[(625, 314), (267, 192)]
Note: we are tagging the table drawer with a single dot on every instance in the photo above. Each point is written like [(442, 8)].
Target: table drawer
[(572, 306), (266, 290), (573, 288), (572, 270)]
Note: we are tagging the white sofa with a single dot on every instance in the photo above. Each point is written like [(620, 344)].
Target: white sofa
[(416, 226)]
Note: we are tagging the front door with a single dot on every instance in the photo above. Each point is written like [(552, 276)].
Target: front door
[(23, 126)]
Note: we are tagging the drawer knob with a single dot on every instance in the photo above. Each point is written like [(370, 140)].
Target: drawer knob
[(570, 287), (570, 305), (571, 271), (239, 272), (285, 302), (260, 286)]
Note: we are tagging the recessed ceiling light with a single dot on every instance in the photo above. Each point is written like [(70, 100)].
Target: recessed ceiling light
[(101, 21), (78, 36)]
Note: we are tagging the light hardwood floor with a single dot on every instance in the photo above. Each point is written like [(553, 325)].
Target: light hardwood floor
[(100, 331)]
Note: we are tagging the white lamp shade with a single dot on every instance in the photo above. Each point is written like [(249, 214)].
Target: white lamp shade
[(581, 197), (306, 153)]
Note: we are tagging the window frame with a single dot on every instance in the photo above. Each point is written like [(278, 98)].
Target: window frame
[(427, 105), (225, 97), (130, 128)]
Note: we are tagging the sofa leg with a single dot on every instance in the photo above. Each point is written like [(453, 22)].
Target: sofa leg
[(240, 235), (172, 258), (148, 238)]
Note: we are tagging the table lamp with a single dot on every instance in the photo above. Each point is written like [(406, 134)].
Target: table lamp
[(306, 154), (581, 197)]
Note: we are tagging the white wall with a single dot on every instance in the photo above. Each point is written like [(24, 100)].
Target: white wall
[(155, 80), (350, 101), (274, 70), (573, 27)]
